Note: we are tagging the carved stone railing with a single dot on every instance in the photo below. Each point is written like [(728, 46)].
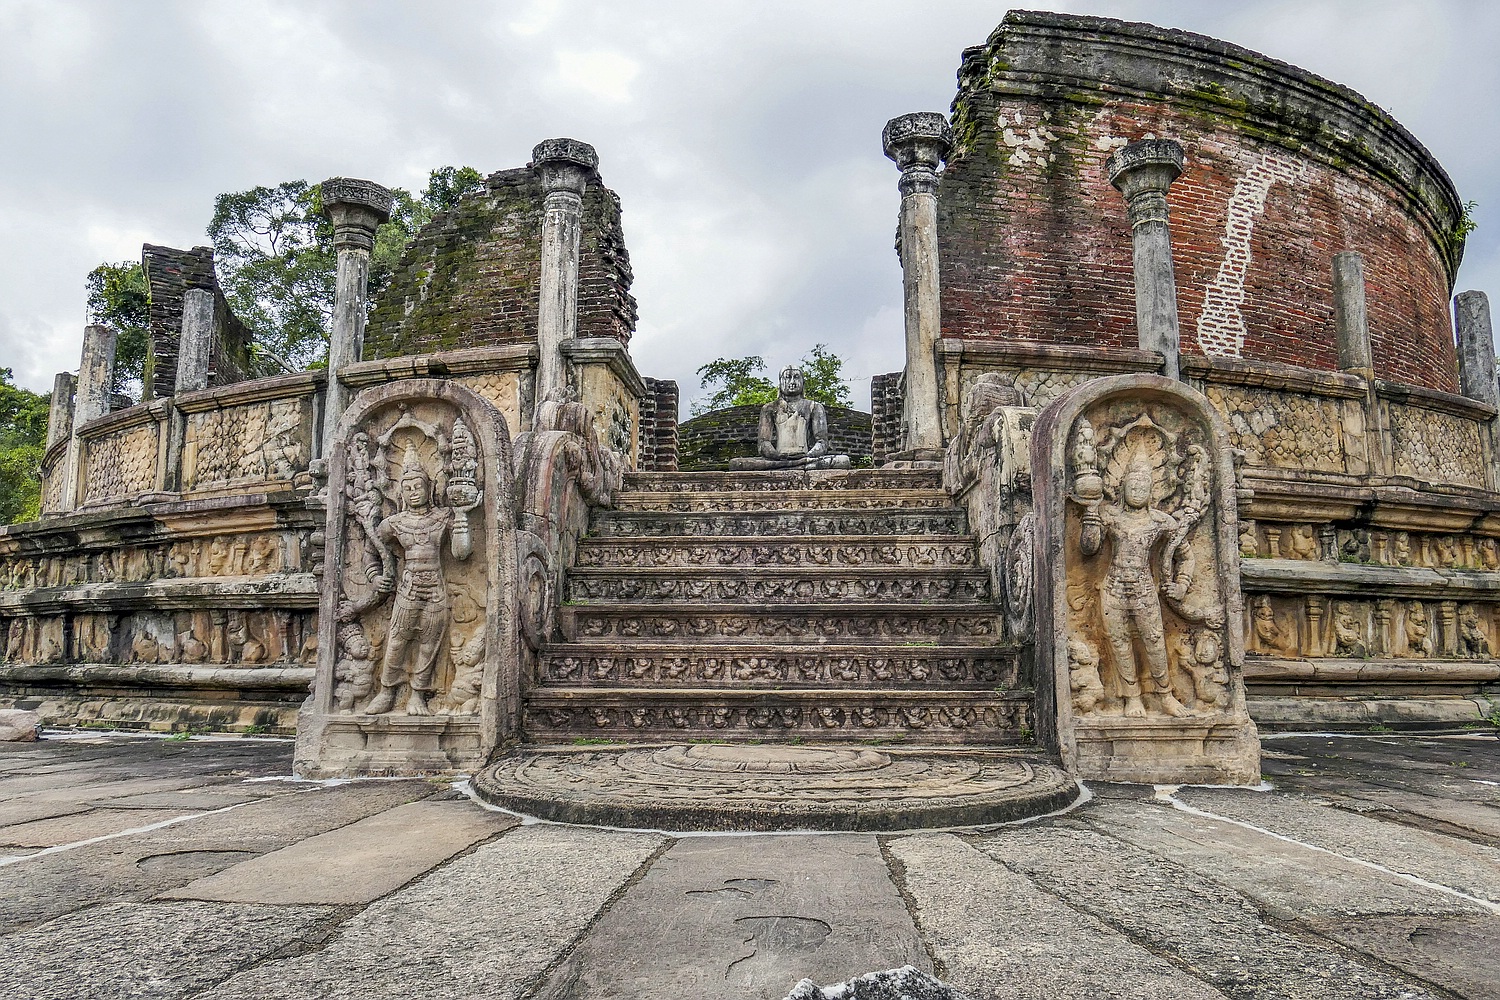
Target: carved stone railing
[(251, 437), (120, 456), (54, 475)]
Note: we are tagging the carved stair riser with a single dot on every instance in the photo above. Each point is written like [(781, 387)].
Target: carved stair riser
[(849, 552), (625, 524), (853, 500), (799, 586), (790, 623), (842, 668), (780, 482), (954, 717)]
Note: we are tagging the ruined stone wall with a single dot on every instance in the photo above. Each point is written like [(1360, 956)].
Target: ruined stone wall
[(885, 416), (658, 446), (1284, 169), (709, 441), (471, 277), (170, 274)]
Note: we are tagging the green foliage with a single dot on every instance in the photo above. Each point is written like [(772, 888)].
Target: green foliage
[(740, 386), (277, 265), (23, 436), (118, 297)]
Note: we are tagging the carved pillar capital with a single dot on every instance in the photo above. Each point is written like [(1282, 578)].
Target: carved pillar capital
[(565, 165), (1142, 172), (918, 143), (356, 208)]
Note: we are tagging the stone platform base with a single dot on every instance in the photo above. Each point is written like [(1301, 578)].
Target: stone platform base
[(716, 787), (346, 746)]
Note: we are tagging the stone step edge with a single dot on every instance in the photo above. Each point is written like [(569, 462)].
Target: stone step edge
[(818, 570), (977, 650), (703, 610), (545, 694), (771, 478)]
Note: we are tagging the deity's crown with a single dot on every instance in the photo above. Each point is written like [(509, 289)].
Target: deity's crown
[(411, 464)]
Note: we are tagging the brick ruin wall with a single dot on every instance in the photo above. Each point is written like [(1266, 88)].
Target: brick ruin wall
[(1036, 246), (707, 443), (658, 444), (885, 415), (170, 274), (471, 277)]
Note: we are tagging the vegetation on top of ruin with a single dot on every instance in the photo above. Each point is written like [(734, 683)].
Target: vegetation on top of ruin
[(23, 438), (273, 251), (738, 385)]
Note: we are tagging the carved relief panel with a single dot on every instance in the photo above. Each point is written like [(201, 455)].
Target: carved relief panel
[(1137, 569), (261, 442), (417, 611)]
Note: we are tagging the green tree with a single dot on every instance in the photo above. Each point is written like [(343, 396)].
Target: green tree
[(23, 436), (738, 385), (118, 297), (277, 265)]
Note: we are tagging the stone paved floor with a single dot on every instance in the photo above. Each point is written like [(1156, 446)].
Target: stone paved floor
[(133, 867)]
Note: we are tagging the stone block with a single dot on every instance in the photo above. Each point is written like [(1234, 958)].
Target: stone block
[(18, 725)]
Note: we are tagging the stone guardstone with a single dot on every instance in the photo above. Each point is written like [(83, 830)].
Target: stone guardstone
[(17, 725), (1139, 617), (905, 983), (417, 656), (701, 787)]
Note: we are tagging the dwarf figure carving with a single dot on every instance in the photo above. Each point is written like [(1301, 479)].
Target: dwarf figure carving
[(420, 610), (1418, 630), (1471, 633), (1269, 636), (354, 670), (1083, 675)]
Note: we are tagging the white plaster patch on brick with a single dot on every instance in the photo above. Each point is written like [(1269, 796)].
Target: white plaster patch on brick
[(1221, 327), (1030, 145)]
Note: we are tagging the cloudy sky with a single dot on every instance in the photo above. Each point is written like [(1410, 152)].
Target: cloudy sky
[(742, 137)]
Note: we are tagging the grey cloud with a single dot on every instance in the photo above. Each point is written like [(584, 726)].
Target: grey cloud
[(758, 207)]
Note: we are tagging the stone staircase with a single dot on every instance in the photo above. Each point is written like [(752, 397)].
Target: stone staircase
[(780, 606)]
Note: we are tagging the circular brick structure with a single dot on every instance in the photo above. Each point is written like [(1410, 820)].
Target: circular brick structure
[(1283, 170)]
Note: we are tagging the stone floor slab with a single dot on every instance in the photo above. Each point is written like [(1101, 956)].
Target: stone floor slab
[(995, 934), (41, 888), (83, 826), (1289, 880), (151, 950), (745, 918), (485, 927), (1473, 869), (1459, 953), (354, 864), (1199, 923)]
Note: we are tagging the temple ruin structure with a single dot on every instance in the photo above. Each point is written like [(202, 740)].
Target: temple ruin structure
[(1194, 440)]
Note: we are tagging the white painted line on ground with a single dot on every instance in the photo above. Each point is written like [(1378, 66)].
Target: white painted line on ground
[(1164, 793), (60, 848)]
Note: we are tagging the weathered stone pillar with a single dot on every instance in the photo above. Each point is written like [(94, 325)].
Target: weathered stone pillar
[(60, 417), (356, 208), (1351, 322), (1476, 347), (195, 345), (565, 166), (96, 377), (1142, 172), (918, 143)]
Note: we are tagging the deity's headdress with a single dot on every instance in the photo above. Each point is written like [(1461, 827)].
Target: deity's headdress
[(411, 468)]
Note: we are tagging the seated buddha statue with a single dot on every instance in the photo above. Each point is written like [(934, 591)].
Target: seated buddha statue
[(793, 432)]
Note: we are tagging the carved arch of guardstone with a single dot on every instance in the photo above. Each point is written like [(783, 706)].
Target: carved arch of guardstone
[(418, 664), (1139, 617), (561, 473)]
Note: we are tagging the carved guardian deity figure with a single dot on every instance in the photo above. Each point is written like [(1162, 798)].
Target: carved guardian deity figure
[(420, 611), (793, 431)]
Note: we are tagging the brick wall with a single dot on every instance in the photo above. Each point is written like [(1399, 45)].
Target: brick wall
[(886, 401), (170, 274), (471, 277), (708, 442), (1284, 170), (658, 446)]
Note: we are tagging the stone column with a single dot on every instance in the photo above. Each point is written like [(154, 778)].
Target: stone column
[(1142, 172), (60, 417), (195, 345), (565, 166), (1476, 347), (1351, 322), (918, 143), (96, 377), (356, 208)]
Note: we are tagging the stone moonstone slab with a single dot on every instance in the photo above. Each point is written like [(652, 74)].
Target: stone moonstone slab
[(700, 787)]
